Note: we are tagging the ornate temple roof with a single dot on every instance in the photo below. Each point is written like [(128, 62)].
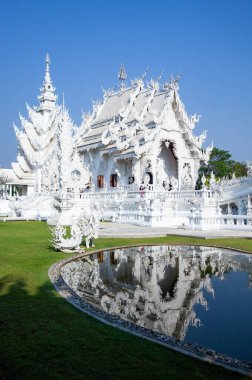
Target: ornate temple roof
[(128, 116)]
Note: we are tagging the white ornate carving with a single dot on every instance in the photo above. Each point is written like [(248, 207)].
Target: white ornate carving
[(85, 225), (205, 153), (64, 244), (186, 178)]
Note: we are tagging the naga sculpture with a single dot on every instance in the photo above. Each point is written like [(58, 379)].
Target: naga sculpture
[(64, 244), (86, 225)]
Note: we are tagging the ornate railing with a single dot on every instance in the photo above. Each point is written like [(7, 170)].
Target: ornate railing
[(224, 222), (149, 192), (236, 220)]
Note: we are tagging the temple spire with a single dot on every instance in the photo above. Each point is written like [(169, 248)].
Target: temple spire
[(122, 76), (47, 98)]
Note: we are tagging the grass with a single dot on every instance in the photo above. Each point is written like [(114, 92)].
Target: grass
[(44, 337)]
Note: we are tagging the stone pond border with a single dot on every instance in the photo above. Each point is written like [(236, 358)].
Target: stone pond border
[(195, 351)]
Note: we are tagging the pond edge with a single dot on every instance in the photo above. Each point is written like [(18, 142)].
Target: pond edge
[(195, 351)]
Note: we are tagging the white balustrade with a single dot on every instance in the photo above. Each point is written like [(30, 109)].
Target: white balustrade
[(153, 206), (225, 222)]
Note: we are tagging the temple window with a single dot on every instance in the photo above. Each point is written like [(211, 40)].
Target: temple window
[(151, 126), (100, 181), (151, 178), (113, 180), (76, 175), (131, 180), (113, 259)]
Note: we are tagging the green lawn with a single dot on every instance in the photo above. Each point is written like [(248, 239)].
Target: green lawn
[(44, 337)]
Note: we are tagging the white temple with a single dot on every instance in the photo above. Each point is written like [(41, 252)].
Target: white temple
[(136, 156)]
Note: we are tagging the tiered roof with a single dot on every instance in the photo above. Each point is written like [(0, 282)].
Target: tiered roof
[(130, 117)]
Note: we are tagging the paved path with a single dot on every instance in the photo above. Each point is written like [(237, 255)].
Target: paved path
[(109, 229)]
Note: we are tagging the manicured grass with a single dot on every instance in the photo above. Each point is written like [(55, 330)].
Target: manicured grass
[(44, 337)]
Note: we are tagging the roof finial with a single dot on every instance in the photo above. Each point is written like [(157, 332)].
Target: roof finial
[(122, 75)]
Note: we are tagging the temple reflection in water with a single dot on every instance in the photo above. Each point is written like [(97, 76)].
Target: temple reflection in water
[(156, 287)]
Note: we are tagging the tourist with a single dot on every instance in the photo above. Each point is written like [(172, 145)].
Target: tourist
[(142, 188)]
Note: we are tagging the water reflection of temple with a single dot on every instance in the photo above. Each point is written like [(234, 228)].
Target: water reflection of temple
[(155, 287)]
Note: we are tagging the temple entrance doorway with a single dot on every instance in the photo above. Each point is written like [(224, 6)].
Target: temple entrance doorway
[(167, 164)]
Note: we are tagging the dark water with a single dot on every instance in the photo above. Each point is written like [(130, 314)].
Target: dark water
[(197, 294)]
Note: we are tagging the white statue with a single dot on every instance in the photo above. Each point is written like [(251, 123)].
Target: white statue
[(174, 183), (204, 182), (85, 225), (212, 181), (186, 178), (64, 244)]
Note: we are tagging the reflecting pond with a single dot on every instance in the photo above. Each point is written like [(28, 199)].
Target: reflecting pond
[(200, 295)]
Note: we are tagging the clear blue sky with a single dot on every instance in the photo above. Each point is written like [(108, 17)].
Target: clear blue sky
[(208, 41)]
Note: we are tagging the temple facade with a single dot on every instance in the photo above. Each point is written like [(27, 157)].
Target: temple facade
[(141, 135)]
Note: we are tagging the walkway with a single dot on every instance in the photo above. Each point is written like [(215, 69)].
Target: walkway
[(109, 229)]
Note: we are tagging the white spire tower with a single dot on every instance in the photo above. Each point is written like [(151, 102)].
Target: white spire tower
[(36, 139)]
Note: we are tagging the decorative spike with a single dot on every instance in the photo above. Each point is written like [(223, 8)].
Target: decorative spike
[(63, 101), (160, 76), (145, 73), (177, 79), (122, 75)]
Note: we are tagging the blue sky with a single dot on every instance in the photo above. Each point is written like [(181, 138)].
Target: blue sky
[(208, 41)]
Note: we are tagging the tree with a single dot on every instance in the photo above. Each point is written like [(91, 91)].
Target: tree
[(221, 165), (240, 169), (4, 178)]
